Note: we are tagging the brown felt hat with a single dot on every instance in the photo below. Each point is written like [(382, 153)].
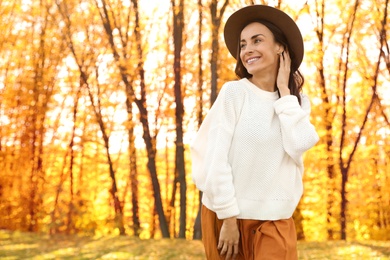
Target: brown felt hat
[(238, 20)]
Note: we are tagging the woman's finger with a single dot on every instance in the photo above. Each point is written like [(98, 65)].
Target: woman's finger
[(224, 249), (229, 252)]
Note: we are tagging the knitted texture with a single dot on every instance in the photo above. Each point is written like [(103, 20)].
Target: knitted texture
[(247, 154)]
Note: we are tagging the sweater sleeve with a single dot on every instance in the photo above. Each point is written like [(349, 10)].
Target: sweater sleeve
[(298, 134), (211, 171)]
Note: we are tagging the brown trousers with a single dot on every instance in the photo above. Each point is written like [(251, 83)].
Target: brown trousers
[(259, 240)]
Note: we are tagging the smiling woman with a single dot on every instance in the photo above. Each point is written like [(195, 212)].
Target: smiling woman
[(247, 154)]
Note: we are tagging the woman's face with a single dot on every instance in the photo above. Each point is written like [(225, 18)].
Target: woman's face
[(258, 49)]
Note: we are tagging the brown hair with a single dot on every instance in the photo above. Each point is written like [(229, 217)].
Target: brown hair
[(296, 79)]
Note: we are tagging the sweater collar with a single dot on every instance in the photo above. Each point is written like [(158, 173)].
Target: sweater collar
[(259, 91)]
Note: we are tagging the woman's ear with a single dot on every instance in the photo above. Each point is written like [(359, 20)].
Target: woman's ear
[(280, 49)]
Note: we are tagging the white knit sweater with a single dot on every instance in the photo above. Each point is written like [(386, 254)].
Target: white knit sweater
[(247, 154)]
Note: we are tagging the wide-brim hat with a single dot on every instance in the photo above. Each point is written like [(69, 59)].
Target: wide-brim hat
[(238, 20)]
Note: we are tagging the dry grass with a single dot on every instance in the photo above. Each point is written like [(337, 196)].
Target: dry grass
[(16, 245)]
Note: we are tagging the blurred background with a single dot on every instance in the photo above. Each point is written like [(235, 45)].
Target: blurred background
[(100, 99)]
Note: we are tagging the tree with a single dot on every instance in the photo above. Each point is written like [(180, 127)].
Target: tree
[(345, 164), (40, 85), (122, 58), (83, 63), (216, 18), (199, 106), (178, 22), (133, 169), (326, 96), (343, 121)]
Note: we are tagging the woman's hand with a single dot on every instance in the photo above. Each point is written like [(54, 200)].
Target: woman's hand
[(229, 238), (284, 73)]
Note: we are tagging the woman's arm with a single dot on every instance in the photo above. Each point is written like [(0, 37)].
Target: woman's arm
[(211, 170), (298, 134)]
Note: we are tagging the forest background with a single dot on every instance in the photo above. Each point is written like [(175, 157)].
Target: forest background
[(99, 101)]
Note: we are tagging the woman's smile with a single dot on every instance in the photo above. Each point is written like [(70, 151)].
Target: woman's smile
[(252, 60)]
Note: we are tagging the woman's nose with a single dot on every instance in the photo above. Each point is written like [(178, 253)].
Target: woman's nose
[(248, 50)]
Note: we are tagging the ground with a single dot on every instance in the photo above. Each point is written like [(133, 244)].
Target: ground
[(18, 245)]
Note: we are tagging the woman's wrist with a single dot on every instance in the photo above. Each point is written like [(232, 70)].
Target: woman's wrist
[(231, 220), (284, 91)]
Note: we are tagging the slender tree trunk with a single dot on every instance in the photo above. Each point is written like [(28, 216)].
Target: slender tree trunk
[(178, 23), (71, 165), (118, 207), (141, 104), (328, 122), (133, 171), (199, 95), (198, 220), (384, 209), (345, 169), (32, 223), (197, 225), (172, 208), (216, 18)]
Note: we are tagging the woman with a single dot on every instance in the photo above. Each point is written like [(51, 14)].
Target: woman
[(247, 155)]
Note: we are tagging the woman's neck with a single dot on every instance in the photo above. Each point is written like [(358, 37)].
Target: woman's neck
[(266, 83)]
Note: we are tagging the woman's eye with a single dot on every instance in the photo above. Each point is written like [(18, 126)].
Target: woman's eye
[(242, 46), (257, 40)]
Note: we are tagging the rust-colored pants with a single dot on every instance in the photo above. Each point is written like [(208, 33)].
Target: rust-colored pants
[(259, 240)]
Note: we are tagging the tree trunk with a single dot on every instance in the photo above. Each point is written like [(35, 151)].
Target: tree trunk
[(198, 225), (216, 24), (118, 207), (133, 171), (178, 22), (343, 205), (71, 164), (141, 104), (328, 123), (344, 166), (198, 220)]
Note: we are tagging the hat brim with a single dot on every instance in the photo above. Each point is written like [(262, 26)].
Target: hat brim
[(238, 20)]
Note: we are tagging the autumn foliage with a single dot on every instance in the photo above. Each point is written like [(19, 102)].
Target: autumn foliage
[(99, 101)]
